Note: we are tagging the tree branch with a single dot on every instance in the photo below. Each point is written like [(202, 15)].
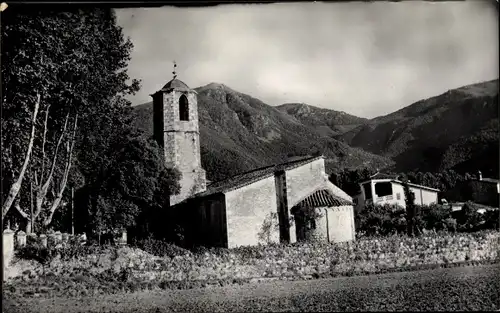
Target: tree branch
[(16, 186), (54, 160), (17, 206), (67, 167), (44, 140)]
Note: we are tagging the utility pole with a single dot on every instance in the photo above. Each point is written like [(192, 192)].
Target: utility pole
[(72, 211)]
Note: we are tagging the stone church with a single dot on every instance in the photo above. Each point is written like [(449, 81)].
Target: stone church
[(257, 207)]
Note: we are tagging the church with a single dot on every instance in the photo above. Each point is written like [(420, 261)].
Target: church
[(265, 205)]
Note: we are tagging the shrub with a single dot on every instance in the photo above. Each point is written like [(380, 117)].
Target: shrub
[(159, 248), (36, 252)]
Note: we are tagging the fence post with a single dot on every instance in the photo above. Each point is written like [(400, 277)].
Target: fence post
[(21, 239), (58, 236), (8, 246), (43, 240)]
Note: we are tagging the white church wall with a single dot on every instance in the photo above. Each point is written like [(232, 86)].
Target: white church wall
[(304, 180), (248, 210), (341, 223)]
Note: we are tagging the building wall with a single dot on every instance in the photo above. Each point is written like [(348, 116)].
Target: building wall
[(248, 210), (341, 224), (320, 233), (209, 222), (424, 197), (304, 180)]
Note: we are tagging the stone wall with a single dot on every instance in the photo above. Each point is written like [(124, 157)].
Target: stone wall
[(298, 261)]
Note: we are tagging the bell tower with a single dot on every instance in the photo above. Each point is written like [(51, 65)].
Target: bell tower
[(176, 129)]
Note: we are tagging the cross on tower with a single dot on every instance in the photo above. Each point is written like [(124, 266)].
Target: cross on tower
[(174, 72)]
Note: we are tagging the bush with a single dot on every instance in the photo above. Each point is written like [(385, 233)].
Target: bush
[(36, 252), (158, 247), (377, 220)]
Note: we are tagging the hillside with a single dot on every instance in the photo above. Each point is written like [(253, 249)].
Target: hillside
[(239, 133), (457, 130), (328, 122)]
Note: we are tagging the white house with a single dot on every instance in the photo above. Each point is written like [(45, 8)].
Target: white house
[(383, 189)]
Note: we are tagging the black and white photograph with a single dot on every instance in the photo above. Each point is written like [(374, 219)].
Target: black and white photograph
[(239, 157)]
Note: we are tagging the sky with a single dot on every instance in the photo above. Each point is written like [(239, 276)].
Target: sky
[(366, 59)]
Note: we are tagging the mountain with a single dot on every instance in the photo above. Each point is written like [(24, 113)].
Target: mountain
[(325, 121), (455, 130), (240, 133)]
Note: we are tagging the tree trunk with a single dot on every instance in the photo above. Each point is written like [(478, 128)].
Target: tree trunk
[(43, 187), (64, 181), (16, 186)]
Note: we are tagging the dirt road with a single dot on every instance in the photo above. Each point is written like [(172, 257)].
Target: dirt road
[(464, 288)]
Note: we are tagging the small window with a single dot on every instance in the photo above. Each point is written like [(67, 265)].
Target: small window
[(183, 108), (398, 196)]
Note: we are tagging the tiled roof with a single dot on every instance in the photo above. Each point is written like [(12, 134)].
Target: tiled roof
[(250, 177), (175, 83), (323, 198)]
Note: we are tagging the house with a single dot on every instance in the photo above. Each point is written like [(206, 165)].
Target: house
[(484, 191), (260, 206), (383, 189), (481, 190)]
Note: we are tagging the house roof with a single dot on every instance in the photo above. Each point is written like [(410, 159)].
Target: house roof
[(394, 178), (250, 177), (490, 180), (323, 198), (384, 176)]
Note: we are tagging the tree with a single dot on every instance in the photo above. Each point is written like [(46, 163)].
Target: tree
[(71, 67), (411, 209)]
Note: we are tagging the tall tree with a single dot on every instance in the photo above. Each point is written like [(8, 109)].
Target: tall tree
[(71, 68)]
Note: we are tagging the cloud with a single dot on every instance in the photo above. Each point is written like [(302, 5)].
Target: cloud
[(366, 59)]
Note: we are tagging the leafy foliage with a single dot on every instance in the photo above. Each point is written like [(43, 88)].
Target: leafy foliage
[(378, 220), (76, 62), (159, 247)]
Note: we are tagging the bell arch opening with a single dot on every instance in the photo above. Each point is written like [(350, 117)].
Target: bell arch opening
[(183, 108)]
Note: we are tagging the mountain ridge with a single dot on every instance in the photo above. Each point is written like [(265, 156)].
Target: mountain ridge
[(239, 133)]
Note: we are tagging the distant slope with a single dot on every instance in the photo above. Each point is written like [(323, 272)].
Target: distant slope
[(458, 129), (328, 122), (239, 133)]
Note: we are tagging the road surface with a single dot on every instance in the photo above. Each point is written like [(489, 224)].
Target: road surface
[(463, 288)]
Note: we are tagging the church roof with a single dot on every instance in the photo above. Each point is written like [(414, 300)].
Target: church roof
[(323, 198), (250, 177), (176, 83)]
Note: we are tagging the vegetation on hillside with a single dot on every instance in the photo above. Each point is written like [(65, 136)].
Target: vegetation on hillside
[(240, 133), (456, 130), (326, 121)]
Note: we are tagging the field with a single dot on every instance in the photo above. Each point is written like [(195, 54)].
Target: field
[(456, 289)]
